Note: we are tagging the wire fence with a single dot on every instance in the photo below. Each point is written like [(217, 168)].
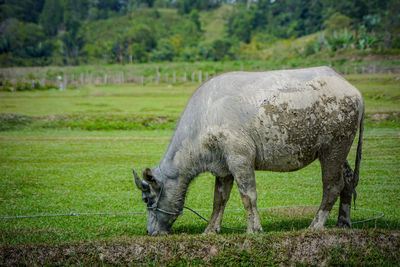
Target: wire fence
[(379, 214), (17, 78)]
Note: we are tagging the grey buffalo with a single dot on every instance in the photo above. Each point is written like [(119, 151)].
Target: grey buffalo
[(238, 122)]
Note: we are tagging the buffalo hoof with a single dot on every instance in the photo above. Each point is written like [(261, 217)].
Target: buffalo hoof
[(316, 226), (254, 231), (211, 231), (159, 233), (343, 223)]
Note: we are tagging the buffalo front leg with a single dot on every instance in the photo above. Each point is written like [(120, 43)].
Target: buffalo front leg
[(247, 187), (345, 197), (222, 191)]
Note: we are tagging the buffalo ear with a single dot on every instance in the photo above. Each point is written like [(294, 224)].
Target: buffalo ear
[(148, 177)]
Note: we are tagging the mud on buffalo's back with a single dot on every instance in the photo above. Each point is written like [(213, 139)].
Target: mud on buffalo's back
[(234, 98)]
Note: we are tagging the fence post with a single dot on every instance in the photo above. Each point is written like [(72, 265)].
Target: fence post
[(105, 78), (157, 75), (88, 79), (173, 77), (65, 81), (184, 76), (193, 76), (206, 77), (60, 83), (200, 76)]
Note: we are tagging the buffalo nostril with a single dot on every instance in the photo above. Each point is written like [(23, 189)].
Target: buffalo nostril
[(147, 232)]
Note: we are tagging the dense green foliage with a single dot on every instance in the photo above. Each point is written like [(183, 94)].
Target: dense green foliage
[(69, 32), (294, 18)]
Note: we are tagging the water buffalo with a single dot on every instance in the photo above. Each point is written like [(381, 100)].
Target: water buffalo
[(238, 122)]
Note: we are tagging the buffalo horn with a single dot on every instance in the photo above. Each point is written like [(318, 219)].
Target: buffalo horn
[(139, 183)]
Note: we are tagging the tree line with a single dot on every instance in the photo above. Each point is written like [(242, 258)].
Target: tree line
[(69, 32)]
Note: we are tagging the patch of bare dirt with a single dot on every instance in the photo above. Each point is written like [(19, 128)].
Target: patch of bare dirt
[(310, 247), (160, 119), (379, 117), (367, 57), (313, 247)]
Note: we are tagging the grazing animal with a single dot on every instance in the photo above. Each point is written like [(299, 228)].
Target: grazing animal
[(238, 122)]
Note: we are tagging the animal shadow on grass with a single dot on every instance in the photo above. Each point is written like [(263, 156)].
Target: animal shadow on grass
[(291, 218), (285, 225), (279, 225)]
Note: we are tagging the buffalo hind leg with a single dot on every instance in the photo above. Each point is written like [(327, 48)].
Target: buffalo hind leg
[(345, 197), (332, 182), (222, 192), (247, 188)]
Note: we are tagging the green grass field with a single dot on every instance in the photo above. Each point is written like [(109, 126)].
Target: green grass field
[(74, 150)]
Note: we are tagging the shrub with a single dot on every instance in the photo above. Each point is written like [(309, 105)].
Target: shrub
[(164, 51), (339, 40), (337, 22), (13, 121)]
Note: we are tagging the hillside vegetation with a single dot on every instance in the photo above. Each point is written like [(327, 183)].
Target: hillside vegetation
[(213, 22), (73, 32)]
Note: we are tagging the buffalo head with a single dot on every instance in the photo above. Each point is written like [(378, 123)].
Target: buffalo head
[(160, 213)]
